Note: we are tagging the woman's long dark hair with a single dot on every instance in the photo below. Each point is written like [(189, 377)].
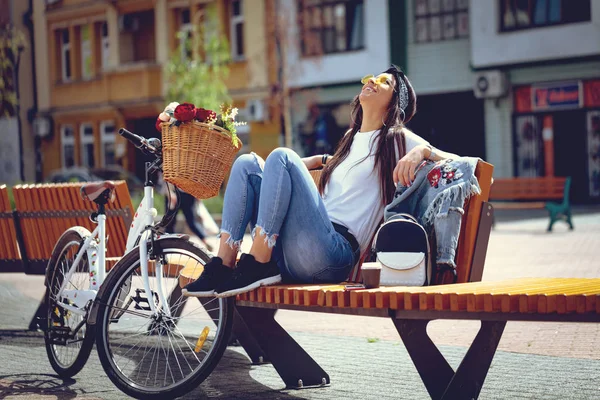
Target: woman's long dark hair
[(391, 137)]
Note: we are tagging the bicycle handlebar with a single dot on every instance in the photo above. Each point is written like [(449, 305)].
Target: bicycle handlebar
[(152, 145), (132, 137)]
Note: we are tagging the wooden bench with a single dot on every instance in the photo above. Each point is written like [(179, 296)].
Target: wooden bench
[(265, 340), (533, 193), (44, 211), (10, 254), (412, 308)]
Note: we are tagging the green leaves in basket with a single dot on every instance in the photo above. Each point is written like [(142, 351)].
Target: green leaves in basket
[(226, 120)]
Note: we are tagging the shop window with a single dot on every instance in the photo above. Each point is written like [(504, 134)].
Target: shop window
[(527, 14), (86, 52), (593, 143), (67, 142), (107, 143), (105, 45), (65, 54), (87, 145), (529, 151), (437, 20), (237, 30), (331, 26)]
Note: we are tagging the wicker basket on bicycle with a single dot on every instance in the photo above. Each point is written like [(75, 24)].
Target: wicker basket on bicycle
[(197, 156)]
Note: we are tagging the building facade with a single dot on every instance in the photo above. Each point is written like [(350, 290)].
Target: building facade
[(428, 39), (514, 82), (547, 54), (333, 45), (17, 142), (438, 43), (99, 67)]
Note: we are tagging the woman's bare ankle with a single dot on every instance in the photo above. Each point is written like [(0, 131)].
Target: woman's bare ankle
[(226, 252), (260, 247)]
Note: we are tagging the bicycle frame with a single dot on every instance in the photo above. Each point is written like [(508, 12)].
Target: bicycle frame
[(94, 246)]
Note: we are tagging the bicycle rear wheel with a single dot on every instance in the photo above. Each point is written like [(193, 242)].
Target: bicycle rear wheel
[(169, 353), (68, 341)]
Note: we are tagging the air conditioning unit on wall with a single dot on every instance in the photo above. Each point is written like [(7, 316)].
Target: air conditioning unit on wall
[(490, 84), (256, 110)]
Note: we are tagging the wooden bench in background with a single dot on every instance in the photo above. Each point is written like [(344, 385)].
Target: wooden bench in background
[(10, 254), (534, 193), (44, 211)]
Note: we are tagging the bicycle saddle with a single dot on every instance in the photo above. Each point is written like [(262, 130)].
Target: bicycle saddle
[(94, 190)]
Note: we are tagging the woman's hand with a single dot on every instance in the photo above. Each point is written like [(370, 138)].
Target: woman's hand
[(404, 173), (312, 162)]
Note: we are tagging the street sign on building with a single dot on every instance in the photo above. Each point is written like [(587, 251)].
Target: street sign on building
[(557, 96)]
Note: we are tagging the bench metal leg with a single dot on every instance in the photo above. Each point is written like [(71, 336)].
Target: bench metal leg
[(293, 364), (39, 318), (441, 381), (241, 332)]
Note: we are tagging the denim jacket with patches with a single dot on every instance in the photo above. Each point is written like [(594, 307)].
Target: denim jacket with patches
[(436, 199)]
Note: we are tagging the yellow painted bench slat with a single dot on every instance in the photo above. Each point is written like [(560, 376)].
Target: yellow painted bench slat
[(522, 295)]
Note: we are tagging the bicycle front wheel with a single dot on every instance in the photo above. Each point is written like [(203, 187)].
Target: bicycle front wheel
[(169, 352)]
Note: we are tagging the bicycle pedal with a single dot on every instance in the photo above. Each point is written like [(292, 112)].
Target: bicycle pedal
[(59, 334)]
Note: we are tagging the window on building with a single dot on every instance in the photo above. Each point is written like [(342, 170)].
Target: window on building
[(331, 26), (186, 31), (105, 45), (210, 31), (107, 143), (67, 142), (87, 145), (528, 14), (437, 20), (65, 54), (237, 30), (86, 52), (137, 37)]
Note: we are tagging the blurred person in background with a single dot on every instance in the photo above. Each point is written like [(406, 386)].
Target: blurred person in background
[(188, 205)]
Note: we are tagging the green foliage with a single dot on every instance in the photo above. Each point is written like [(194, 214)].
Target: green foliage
[(214, 205), (197, 70), (12, 42)]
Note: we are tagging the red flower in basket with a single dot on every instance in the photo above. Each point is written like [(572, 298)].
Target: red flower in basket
[(157, 124), (203, 115), (185, 112)]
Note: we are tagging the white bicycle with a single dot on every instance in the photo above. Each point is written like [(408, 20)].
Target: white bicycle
[(152, 341)]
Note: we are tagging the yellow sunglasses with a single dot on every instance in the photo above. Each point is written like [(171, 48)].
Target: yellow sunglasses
[(379, 80)]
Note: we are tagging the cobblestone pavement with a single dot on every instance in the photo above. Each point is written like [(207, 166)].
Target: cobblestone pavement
[(364, 356)]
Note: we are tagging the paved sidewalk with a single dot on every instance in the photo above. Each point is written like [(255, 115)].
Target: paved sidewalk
[(364, 356), (358, 369)]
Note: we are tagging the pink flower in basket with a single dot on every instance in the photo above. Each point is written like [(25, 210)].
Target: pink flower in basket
[(185, 112)]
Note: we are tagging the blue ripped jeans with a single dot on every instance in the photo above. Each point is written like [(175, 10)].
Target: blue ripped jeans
[(285, 203)]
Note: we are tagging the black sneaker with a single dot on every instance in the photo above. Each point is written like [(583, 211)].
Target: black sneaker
[(214, 274), (249, 275)]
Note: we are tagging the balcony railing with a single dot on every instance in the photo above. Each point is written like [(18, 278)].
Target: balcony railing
[(130, 82)]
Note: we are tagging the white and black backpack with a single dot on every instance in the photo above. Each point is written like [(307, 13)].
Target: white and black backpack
[(401, 246)]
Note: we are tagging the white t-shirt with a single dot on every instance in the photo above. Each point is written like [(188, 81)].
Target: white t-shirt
[(353, 196)]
